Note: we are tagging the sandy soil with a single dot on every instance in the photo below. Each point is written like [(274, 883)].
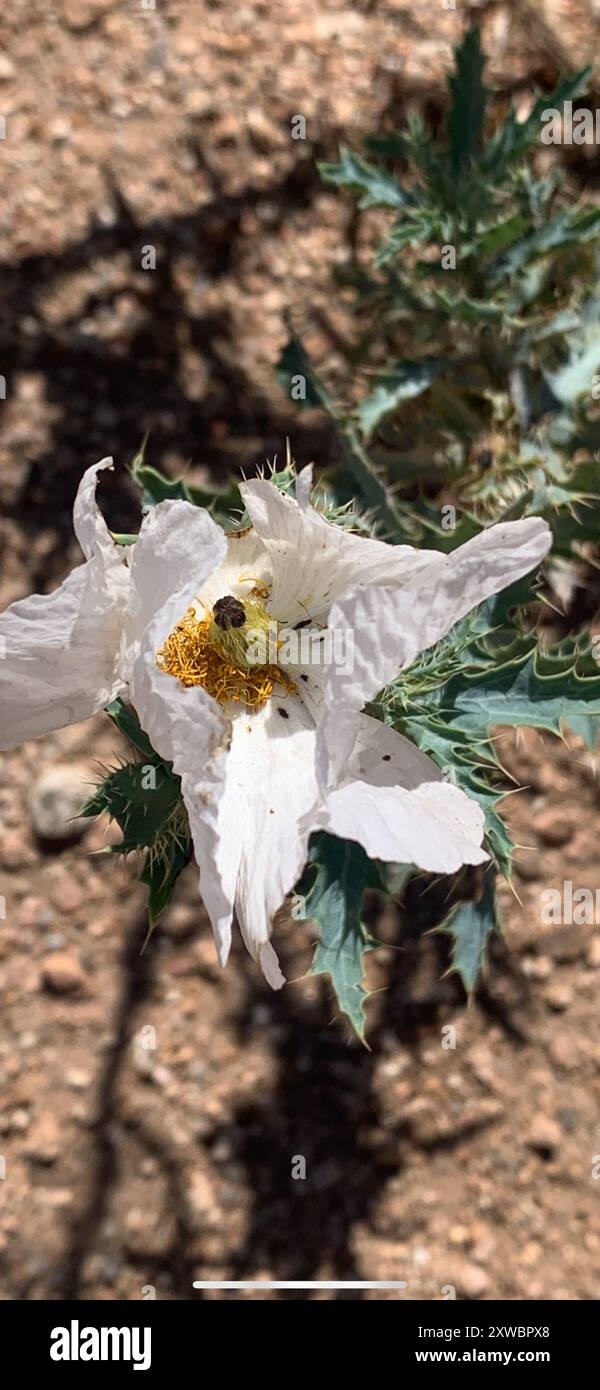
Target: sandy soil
[(131, 1168)]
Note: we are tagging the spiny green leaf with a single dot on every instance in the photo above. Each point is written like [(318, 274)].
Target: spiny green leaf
[(334, 901), (144, 799), (401, 382), (466, 310), (578, 377), (514, 138), (141, 797), (470, 925), (543, 690), (469, 96), (125, 718), (160, 876), (155, 488), (486, 673), (501, 235), (570, 227), (294, 362), (378, 188)]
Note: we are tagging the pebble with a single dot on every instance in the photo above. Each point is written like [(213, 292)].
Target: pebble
[(55, 800), (544, 1135), (563, 1053), (34, 912), (537, 968), (15, 853), (206, 961), (43, 1145), (77, 1080), (472, 1281), (201, 1193), (65, 893), (553, 826), (20, 1121), (558, 996), (180, 921), (62, 973)]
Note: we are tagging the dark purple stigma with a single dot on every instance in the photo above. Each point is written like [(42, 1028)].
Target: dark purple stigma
[(229, 612)]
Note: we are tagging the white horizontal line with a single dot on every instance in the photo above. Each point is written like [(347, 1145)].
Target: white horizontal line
[(299, 1284)]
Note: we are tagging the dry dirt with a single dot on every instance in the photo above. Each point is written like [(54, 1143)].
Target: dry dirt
[(131, 1168)]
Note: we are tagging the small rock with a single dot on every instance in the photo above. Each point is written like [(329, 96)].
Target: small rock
[(201, 1194), (553, 826), (55, 801), (264, 133), (15, 853), (558, 996), (458, 1235), (207, 964), (472, 1281), (563, 1053), (43, 1145), (77, 1080), (20, 1121), (161, 1076), (34, 912), (66, 894), (544, 1135), (181, 921), (54, 941), (62, 973), (7, 68), (568, 1118), (537, 967)]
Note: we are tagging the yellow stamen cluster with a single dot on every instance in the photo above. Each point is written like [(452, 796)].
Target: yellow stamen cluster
[(189, 654)]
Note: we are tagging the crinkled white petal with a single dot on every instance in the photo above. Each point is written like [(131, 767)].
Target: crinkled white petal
[(88, 522), (473, 572), (178, 547), (394, 801), (434, 826), (314, 562), (184, 724), (59, 652), (385, 758), (384, 628), (389, 627), (270, 786)]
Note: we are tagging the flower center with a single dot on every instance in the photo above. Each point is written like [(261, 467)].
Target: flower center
[(218, 652)]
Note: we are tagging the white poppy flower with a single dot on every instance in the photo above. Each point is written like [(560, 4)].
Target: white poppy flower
[(265, 753)]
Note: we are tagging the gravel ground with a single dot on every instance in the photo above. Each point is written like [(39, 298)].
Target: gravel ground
[(152, 1106)]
